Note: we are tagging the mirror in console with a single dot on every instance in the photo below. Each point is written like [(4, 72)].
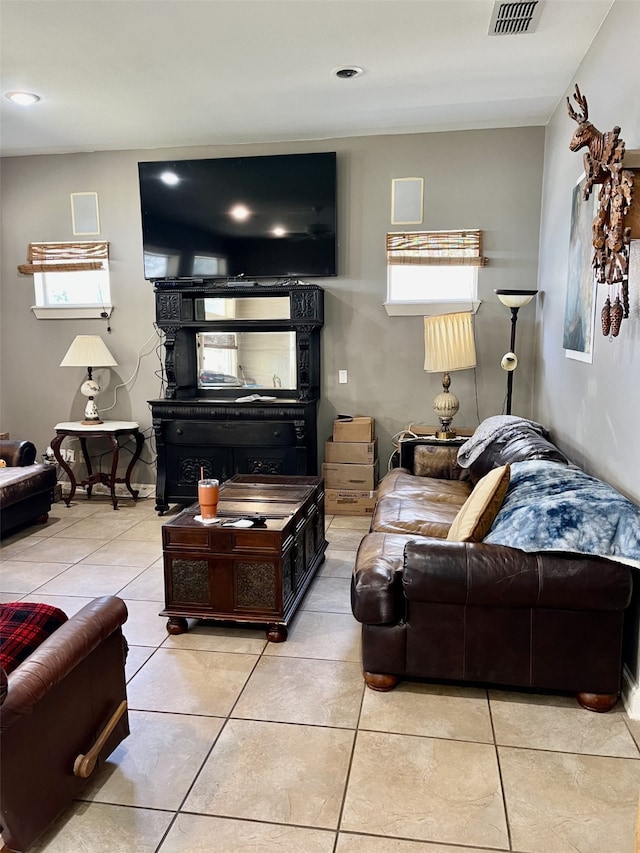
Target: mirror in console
[(259, 360)]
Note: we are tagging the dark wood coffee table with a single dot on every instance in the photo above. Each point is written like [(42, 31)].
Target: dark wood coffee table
[(246, 575)]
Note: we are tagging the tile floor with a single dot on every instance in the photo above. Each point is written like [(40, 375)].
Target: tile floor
[(238, 745)]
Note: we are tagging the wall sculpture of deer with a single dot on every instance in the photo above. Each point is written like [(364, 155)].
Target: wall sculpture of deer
[(603, 166)]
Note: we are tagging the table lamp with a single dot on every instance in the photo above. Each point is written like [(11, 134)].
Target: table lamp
[(448, 345), (513, 299), (89, 351)]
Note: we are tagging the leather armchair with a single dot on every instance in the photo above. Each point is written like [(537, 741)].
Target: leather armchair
[(63, 712)]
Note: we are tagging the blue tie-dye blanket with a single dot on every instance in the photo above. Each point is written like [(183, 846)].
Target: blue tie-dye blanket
[(555, 507)]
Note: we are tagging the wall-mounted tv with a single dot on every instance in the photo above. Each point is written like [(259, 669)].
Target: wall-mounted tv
[(239, 217)]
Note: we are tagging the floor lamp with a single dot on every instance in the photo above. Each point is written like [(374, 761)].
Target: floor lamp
[(513, 299)]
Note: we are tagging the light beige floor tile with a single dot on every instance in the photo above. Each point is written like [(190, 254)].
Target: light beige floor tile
[(144, 627), (137, 656), (337, 564), (79, 508), (58, 549), (149, 529), (19, 578), (331, 696), (194, 834), (55, 526), (97, 828), (328, 595), (369, 844), (95, 526), (185, 681), (301, 776), (558, 723), (632, 725), (461, 713), (327, 636), (148, 585), (570, 803), (155, 766), (120, 552), (351, 522), (69, 604), (426, 789), (343, 539), (211, 638), (93, 580), (11, 546)]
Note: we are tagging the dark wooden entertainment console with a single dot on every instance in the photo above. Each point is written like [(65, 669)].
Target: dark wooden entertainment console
[(199, 424)]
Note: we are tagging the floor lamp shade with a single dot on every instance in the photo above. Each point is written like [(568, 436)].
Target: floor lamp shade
[(449, 345), (89, 351)]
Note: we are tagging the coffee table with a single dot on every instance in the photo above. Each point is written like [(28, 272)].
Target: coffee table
[(246, 575)]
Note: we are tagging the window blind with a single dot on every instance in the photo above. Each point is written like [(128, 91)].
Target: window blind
[(436, 248), (64, 257)]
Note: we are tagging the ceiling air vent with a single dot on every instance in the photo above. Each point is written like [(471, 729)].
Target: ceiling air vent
[(510, 19)]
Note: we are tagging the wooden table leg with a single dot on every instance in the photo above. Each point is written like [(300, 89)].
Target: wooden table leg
[(177, 625), (55, 446), (277, 633), (114, 469), (87, 462), (139, 437)]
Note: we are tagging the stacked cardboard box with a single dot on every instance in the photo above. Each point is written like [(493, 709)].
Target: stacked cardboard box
[(350, 468)]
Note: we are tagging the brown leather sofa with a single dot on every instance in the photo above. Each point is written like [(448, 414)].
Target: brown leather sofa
[(26, 487), (474, 612), (63, 712)]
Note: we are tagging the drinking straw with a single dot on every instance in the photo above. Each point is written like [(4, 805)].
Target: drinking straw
[(202, 472)]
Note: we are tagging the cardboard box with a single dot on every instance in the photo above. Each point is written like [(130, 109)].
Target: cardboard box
[(349, 502), (356, 429), (341, 475), (353, 452)]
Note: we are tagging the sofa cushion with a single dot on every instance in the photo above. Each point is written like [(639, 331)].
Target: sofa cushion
[(400, 482), (413, 516), (18, 484), (476, 516), (23, 626), (504, 439)]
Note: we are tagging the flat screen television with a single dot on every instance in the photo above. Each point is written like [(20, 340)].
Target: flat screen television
[(239, 217)]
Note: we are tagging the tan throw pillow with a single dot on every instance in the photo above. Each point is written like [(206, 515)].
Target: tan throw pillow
[(473, 521)]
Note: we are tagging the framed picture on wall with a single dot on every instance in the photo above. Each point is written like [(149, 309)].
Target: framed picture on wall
[(580, 303)]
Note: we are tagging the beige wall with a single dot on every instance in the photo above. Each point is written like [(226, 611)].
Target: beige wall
[(488, 179)]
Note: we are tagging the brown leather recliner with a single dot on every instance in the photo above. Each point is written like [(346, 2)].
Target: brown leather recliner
[(63, 712)]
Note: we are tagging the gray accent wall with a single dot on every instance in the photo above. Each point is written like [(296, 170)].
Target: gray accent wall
[(488, 179), (593, 410)]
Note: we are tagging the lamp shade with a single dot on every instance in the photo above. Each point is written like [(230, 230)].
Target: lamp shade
[(88, 351), (515, 298), (449, 343)]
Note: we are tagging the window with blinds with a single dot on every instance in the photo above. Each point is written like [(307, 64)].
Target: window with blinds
[(70, 275), (428, 268)]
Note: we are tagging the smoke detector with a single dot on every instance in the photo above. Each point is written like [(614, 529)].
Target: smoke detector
[(518, 18)]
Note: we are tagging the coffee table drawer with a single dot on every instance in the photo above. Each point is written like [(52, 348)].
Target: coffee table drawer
[(185, 537)]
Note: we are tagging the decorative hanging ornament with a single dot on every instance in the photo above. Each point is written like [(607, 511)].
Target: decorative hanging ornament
[(605, 317), (616, 317)]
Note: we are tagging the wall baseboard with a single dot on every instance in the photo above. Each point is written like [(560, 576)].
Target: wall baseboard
[(630, 694)]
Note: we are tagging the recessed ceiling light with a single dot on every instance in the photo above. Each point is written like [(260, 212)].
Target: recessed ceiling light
[(348, 71), (25, 99), (240, 212), (170, 178)]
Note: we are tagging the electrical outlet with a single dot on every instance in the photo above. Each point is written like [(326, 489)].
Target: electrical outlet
[(342, 377), (71, 456)]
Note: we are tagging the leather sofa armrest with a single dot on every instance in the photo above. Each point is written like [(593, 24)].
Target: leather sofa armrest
[(17, 454), (476, 574), (59, 654), (376, 583)]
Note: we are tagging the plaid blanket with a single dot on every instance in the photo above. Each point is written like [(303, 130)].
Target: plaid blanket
[(23, 626)]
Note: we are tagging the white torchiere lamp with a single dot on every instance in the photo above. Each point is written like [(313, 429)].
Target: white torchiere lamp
[(89, 351), (515, 300), (448, 345)]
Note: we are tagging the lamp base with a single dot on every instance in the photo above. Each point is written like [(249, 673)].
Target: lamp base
[(444, 434), (92, 422)]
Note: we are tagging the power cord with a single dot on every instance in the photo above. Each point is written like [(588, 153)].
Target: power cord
[(156, 333)]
